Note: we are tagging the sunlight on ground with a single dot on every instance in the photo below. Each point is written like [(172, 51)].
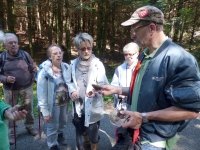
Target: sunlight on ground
[(111, 139)]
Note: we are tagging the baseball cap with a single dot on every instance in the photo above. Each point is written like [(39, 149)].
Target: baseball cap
[(146, 13)]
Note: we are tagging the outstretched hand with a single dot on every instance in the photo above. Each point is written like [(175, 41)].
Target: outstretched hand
[(134, 119), (109, 90), (14, 114)]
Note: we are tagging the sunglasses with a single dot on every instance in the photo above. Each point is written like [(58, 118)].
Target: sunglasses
[(85, 48)]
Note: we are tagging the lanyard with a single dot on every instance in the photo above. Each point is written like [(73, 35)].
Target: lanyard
[(136, 132), (134, 75)]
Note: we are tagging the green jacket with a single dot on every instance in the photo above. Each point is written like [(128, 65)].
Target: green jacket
[(4, 141)]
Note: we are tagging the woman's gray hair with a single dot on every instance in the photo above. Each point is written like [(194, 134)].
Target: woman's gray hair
[(49, 49), (9, 35), (82, 37)]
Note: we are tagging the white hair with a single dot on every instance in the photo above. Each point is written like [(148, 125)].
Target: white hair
[(7, 36), (131, 47)]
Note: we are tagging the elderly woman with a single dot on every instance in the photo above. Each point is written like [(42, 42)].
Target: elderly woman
[(123, 73), (52, 95), (122, 78), (88, 106)]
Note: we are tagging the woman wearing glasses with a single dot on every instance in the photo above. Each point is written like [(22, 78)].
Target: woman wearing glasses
[(86, 70), (53, 97), (122, 77), (123, 73)]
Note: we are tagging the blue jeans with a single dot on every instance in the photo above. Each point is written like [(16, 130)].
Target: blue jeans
[(56, 125)]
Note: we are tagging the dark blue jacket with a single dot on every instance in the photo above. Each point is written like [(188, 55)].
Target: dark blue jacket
[(171, 79)]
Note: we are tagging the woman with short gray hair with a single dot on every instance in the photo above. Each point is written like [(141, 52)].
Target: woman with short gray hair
[(82, 37), (88, 106)]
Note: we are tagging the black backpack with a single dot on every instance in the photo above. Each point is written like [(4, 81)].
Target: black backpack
[(124, 140)]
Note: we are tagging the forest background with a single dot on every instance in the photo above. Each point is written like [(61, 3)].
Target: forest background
[(39, 23)]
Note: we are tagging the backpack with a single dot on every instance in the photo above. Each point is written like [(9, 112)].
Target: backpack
[(124, 140), (3, 58)]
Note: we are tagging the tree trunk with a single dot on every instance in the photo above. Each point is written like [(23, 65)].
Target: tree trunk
[(60, 21), (38, 21), (30, 28), (67, 32), (194, 24), (2, 18), (177, 22), (112, 29), (101, 28), (10, 15)]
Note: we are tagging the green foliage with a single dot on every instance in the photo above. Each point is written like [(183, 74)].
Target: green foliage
[(1, 91), (35, 101), (1, 47), (196, 53), (110, 68), (108, 99)]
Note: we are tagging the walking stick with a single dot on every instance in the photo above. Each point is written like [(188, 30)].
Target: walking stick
[(39, 116), (14, 123)]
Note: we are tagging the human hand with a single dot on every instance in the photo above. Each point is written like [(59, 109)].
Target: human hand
[(109, 90), (74, 96), (10, 79), (34, 67), (14, 114), (121, 96), (134, 119), (90, 94)]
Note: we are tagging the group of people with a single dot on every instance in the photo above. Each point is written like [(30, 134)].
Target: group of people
[(160, 86)]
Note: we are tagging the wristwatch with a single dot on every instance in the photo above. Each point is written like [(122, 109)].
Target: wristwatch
[(144, 117)]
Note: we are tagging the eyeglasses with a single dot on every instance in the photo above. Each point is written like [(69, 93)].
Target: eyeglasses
[(12, 42), (85, 48), (58, 53), (129, 54), (135, 29)]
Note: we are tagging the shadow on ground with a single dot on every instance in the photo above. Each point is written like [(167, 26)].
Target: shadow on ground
[(188, 138)]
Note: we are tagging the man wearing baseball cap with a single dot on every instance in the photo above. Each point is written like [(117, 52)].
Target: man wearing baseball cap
[(165, 87), (146, 13)]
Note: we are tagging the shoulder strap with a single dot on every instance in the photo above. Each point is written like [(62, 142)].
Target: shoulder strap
[(3, 57), (25, 57)]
